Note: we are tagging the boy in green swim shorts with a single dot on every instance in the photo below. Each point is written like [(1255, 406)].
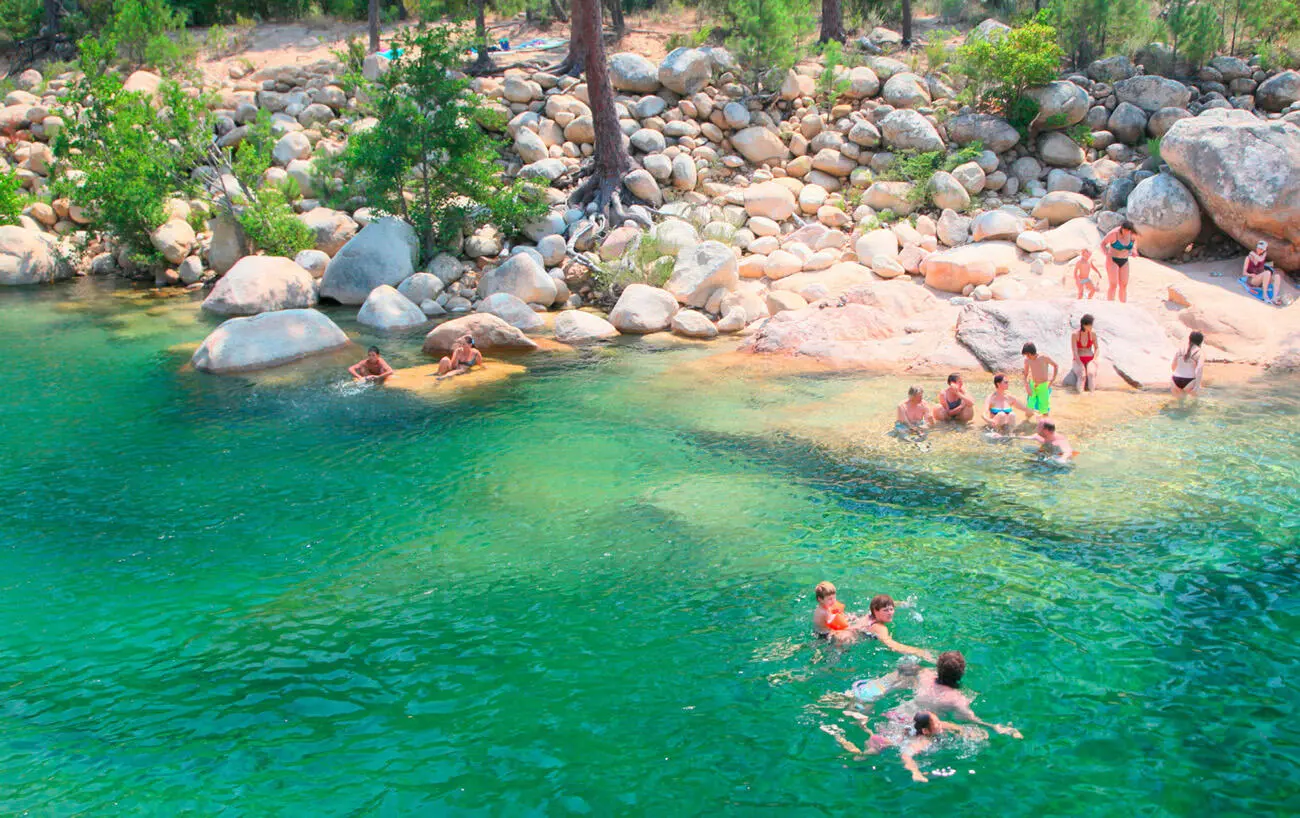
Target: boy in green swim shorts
[(1040, 376)]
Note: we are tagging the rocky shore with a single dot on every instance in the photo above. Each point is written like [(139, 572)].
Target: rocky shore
[(780, 218)]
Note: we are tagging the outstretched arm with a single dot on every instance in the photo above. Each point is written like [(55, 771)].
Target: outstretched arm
[(908, 754), (882, 633), (966, 714)]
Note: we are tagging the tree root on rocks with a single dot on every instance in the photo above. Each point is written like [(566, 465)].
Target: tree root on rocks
[(609, 194)]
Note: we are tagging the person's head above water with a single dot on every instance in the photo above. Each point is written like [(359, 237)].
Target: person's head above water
[(882, 608), (915, 393), (950, 667), (1047, 426), (1086, 321), (925, 723), (824, 591), (1029, 349)]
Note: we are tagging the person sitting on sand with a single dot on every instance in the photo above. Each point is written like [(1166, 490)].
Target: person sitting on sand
[(1188, 366), (912, 740), (954, 403), (829, 619), (877, 627), (1040, 375), (1084, 266), (938, 691), (372, 368), (1051, 444), (999, 409), (1083, 342), (463, 356), (1259, 273), (914, 414)]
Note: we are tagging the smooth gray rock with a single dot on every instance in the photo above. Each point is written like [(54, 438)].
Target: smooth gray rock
[(267, 340), (384, 252)]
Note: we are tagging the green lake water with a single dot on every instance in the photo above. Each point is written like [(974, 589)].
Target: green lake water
[(586, 590)]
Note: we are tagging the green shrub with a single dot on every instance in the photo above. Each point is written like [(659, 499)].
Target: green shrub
[(1020, 113), (938, 53), (829, 87), (130, 156), (270, 224), (12, 199), (427, 159), (140, 29), (767, 33), (1001, 68), (1153, 148), (649, 261), (20, 19)]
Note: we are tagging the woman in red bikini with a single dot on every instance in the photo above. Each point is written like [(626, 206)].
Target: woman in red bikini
[(1084, 344)]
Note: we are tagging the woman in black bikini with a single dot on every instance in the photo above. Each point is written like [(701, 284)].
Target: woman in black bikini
[(1118, 247), (1188, 366)]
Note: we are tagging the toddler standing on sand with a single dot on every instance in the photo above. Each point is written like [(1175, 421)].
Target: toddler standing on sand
[(1083, 267)]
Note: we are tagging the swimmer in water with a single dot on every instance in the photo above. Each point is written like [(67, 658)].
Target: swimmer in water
[(954, 403), (926, 728), (829, 619), (463, 357), (914, 414), (877, 627), (866, 691), (1000, 408), (372, 368), (1052, 444), (1040, 375), (939, 691)]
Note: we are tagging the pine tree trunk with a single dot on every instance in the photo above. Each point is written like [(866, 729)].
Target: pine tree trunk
[(374, 25), (483, 61), (51, 21), (576, 62), (616, 17), (907, 22), (832, 21)]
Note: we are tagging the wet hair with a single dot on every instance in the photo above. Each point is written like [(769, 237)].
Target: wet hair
[(823, 590), (999, 378), (1194, 340), (1127, 225), (1029, 349), (881, 601), (950, 668), (953, 378), (373, 349), (914, 390), (922, 722), (1049, 426), (1086, 320)]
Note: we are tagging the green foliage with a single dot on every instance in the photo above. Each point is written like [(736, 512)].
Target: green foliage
[(270, 224), (911, 166), (691, 39), (140, 29), (1020, 113), (1195, 30), (20, 19), (767, 33), (427, 159), (1081, 134), (12, 199), (1153, 148), (938, 53), (130, 156), (829, 87), (649, 261), (1001, 68)]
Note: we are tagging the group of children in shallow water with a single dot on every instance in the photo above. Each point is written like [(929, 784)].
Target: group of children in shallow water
[(915, 416), (916, 725)]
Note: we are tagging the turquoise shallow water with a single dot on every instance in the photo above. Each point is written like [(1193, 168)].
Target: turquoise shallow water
[(586, 590)]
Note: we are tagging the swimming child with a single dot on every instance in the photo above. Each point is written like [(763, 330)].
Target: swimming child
[(999, 409), (1188, 367), (939, 691), (954, 403), (372, 368), (912, 739), (829, 619), (1083, 269), (914, 414), (877, 626), (1083, 342), (1053, 445), (865, 691), (1038, 381)]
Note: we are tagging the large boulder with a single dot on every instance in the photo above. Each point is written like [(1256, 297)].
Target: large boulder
[(489, 333), (1112, 69), (971, 265), (700, 270), (1132, 341), (174, 240), (1151, 93), (685, 70), (1060, 206), (1060, 150), (1278, 91), (994, 132), (1060, 105), (1128, 122), (906, 129), (331, 229), (227, 245), (906, 90), (267, 340), (770, 200), (387, 309), (29, 257), (1165, 214), (261, 284), (1070, 239), (758, 145), (578, 327), (632, 72), (384, 252), (520, 276), (851, 331), (421, 287), (511, 310), (642, 309), (996, 224), (1245, 172)]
